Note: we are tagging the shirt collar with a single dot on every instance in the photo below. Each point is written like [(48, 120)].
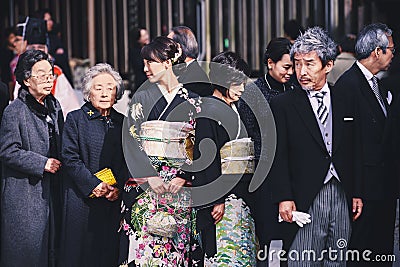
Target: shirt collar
[(368, 75), (325, 89), (187, 63)]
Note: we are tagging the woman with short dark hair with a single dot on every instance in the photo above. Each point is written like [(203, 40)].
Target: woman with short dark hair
[(30, 145), (276, 81), (224, 208)]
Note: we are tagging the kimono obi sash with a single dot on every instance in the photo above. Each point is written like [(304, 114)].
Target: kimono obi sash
[(171, 140), (237, 156)]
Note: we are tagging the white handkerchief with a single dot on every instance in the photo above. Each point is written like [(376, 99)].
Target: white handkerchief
[(389, 97), (301, 218), (348, 119)]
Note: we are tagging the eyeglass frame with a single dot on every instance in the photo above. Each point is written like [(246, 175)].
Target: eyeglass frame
[(391, 48), (42, 78)]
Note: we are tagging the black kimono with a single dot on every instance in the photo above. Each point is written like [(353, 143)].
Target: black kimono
[(232, 240), (138, 246)]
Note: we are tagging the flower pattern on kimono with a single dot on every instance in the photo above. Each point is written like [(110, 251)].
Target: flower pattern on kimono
[(137, 111)]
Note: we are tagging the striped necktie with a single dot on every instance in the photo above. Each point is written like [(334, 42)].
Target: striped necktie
[(377, 94), (322, 111)]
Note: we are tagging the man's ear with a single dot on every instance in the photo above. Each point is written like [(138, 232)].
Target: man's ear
[(328, 66), (377, 51), (27, 83)]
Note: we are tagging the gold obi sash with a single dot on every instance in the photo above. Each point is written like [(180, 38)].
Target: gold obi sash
[(237, 156), (172, 140)]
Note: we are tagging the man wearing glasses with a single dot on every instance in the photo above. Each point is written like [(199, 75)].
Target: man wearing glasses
[(374, 230)]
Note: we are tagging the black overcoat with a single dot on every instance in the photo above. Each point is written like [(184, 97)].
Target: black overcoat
[(90, 143)]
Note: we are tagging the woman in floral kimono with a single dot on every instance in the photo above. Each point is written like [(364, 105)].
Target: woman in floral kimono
[(157, 190), (225, 221)]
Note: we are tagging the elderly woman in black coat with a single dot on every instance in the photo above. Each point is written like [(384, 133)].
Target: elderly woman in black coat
[(30, 144), (92, 142)]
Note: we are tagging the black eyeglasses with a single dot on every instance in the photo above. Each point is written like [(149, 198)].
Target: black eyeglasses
[(391, 48)]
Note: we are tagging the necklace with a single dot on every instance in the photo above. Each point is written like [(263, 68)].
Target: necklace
[(269, 86)]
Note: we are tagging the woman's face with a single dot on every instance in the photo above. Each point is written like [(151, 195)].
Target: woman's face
[(47, 18), (19, 44), (154, 70), (144, 37), (41, 81), (235, 91), (281, 70), (103, 92)]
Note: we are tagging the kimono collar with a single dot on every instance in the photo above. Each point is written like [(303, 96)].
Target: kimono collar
[(40, 110)]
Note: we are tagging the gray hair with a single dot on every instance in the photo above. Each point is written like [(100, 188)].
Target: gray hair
[(372, 36), (315, 39), (97, 69), (186, 38)]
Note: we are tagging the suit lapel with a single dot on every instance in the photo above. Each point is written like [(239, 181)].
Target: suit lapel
[(303, 106), (366, 91), (337, 109)]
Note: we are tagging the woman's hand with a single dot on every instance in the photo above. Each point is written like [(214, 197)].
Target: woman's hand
[(113, 193), (218, 212), (52, 165), (175, 185), (157, 184), (101, 190)]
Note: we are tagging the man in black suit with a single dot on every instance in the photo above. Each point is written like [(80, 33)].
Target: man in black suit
[(193, 77), (375, 229), (315, 166)]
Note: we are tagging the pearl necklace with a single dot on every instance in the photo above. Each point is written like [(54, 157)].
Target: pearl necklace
[(269, 86)]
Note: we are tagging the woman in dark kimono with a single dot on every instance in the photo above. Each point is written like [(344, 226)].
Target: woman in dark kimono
[(30, 144), (162, 179), (225, 223), (92, 142), (255, 99)]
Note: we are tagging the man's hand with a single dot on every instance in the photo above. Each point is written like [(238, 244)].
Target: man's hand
[(357, 208), (175, 185), (218, 212), (157, 184), (52, 165), (285, 210)]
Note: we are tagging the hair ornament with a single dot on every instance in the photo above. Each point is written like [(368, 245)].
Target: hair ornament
[(177, 55)]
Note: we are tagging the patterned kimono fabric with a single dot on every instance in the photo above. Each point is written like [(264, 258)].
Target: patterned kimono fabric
[(235, 236), (148, 249), (235, 233)]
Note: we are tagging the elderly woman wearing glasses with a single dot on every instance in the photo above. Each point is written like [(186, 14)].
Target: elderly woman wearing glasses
[(91, 145), (30, 152)]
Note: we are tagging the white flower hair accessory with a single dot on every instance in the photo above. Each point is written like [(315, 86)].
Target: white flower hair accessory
[(177, 55)]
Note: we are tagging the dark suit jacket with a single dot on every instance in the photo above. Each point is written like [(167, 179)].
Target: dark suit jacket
[(196, 80), (376, 135), (301, 160)]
